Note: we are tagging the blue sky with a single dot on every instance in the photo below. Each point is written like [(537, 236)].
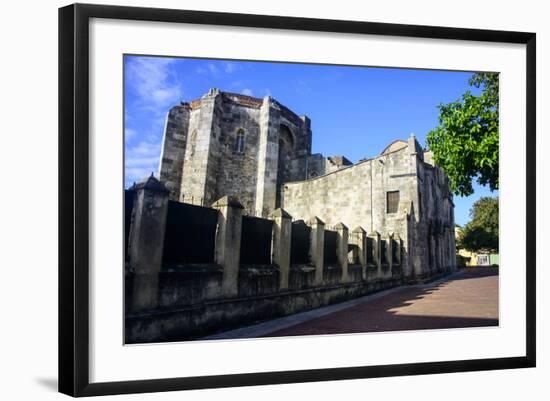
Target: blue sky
[(355, 111)]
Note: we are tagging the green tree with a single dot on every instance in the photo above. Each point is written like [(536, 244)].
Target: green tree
[(481, 233), (465, 143)]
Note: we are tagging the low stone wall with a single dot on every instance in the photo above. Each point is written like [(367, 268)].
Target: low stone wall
[(192, 321), (293, 266)]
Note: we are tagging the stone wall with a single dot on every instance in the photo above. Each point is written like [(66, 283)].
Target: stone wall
[(316, 165), (357, 228), (178, 301), (193, 321), (357, 196), (435, 245), (202, 159)]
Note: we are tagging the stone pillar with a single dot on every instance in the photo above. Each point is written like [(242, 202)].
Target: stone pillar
[(173, 148), (415, 152), (197, 181), (268, 157), (376, 250), (317, 247), (399, 251), (228, 242), (453, 249), (358, 237), (342, 233), (280, 248), (146, 240), (389, 251)]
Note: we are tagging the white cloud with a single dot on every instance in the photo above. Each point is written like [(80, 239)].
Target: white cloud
[(150, 78), (209, 68), (141, 160), (247, 92), (129, 134), (137, 175), (145, 149), (213, 69), (230, 67), (216, 70)]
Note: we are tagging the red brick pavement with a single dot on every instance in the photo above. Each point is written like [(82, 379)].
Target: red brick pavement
[(467, 300)]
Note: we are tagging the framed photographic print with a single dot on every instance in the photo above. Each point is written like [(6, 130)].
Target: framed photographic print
[(251, 199)]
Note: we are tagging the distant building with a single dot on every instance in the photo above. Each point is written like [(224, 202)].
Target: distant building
[(481, 258)]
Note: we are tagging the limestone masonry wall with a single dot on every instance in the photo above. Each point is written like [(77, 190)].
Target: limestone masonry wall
[(260, 151), (243, 269), (282, 229), (229, 144)]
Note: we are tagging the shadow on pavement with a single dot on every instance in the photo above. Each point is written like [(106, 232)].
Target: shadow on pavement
[(468, 273), (387, 313)]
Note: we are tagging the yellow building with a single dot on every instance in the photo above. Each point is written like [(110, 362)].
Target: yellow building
[(467, 258)]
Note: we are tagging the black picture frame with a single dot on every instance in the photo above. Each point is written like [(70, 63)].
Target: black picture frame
[(74, 200)]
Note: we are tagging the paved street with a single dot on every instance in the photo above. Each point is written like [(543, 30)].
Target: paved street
[(468, 298)]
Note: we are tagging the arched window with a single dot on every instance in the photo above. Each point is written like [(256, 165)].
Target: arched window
[(239, 142)]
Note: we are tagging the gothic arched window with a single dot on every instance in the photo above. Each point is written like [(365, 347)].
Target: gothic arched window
[(239, 142)]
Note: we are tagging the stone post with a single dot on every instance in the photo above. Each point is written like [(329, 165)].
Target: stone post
[(228, 242), (317, 247), (389, 251), (342, 233), (280, 249), (452, 245), (146, 240), (358, 237), (376, 250), (399, 251)]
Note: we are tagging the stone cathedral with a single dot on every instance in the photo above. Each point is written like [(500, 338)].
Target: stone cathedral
[(259, 151)]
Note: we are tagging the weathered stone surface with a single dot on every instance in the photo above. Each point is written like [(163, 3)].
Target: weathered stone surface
[(282, 234), (357, 196), (201, 161), (358, 238), (247, 156), (228, 201), (146, 240), (228, 243), (273, 167), (316, 247), (342, 233)]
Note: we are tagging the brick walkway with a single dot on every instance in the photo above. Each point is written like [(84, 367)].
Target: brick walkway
[(469, 299)]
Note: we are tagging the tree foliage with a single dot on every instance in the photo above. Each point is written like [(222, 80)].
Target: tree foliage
[(465, 143), (481, 233)]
